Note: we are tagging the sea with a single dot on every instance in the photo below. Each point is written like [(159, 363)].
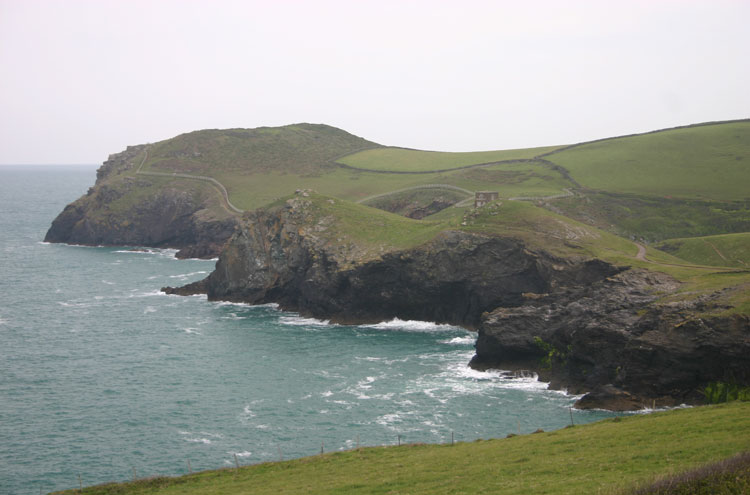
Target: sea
[(105, 378)]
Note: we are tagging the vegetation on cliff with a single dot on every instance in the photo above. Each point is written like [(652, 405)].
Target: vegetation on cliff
[(610, 456)]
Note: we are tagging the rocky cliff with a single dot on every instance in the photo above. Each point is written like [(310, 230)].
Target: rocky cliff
[(123, 208), (612, 337), (584, 325)]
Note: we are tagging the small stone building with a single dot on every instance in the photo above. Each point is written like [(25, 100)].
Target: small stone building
[(481, 198)]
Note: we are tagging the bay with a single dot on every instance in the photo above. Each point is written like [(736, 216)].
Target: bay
[(102, 375)]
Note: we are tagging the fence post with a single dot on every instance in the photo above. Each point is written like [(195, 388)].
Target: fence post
[(80, 484), (190, 469), (570, 409), (236, 462), (399, 440), (451, 438), (281, 458), (135, 475)]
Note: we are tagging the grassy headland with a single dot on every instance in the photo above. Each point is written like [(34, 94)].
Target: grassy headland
[(608, 457)]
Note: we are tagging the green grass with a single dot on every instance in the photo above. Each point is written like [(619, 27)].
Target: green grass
[(407, 160), (709, 161), (719, 250), (605, 457), (253, 190), (298, 148), (542, 229), (654, 218)]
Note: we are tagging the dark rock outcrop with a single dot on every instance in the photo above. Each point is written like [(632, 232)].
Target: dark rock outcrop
[(123, 210), (612, 338), (455, 278), (584, 325)]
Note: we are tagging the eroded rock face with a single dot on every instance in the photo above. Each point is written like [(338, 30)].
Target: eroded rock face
[(453, 279), (587, 326), (609, 337), (166, 217)]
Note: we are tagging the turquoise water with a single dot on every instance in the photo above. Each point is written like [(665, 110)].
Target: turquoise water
[(101, 374)]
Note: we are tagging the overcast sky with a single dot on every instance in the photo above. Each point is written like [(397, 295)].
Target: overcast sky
[(82, 79)]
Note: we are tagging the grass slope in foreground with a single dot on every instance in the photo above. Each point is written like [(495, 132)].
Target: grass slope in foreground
[(605, 457)]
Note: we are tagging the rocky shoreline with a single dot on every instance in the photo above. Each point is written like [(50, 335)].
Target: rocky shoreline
[(583, 325), (164, 217)]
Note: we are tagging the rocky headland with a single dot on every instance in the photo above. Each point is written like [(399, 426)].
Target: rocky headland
[(583, 324), (124, 209)]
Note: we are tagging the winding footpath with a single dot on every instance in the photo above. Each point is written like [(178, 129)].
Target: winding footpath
[(223, 190), (641, 256)]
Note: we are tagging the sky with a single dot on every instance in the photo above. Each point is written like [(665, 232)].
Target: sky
[(81, 79)]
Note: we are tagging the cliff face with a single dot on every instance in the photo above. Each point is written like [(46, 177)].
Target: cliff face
[(132, 211), (611, 338), (455, 278), (587, 326)]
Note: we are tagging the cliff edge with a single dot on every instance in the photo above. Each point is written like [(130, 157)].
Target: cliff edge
[(582, 323)]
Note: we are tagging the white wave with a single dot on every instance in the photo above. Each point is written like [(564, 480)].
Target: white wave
[(459, 340), (168, 253), (108, 282), (149, 309), (204, 441), (3, 321), (411, 326), (233, 316), (150, 293), (245, 453), (327, 393), (300, 321), (192, 330), (245, 305), (191, 274)]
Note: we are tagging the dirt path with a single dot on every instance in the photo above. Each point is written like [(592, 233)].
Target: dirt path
[(642, 257), (716, 250), (227, 204)]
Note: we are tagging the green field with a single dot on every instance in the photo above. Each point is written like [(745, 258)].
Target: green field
[(407, 160), (607, 457), (718, 250), (708, 162)]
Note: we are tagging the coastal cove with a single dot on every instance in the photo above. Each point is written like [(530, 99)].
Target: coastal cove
[(102, 374)]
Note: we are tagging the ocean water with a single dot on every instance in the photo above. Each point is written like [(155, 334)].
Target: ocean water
[(103, 377)]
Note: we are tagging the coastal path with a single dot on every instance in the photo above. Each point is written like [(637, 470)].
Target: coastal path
[(223, 190)]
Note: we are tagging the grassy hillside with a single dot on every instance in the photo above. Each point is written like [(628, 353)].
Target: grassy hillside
[(605, 457), (707, 161), (718, 250), (297, 148), (656, 218)]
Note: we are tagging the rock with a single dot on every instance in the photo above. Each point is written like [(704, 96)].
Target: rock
[(583, 325), (609, 397), (165, 217), (612, 332), (278, 256)]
